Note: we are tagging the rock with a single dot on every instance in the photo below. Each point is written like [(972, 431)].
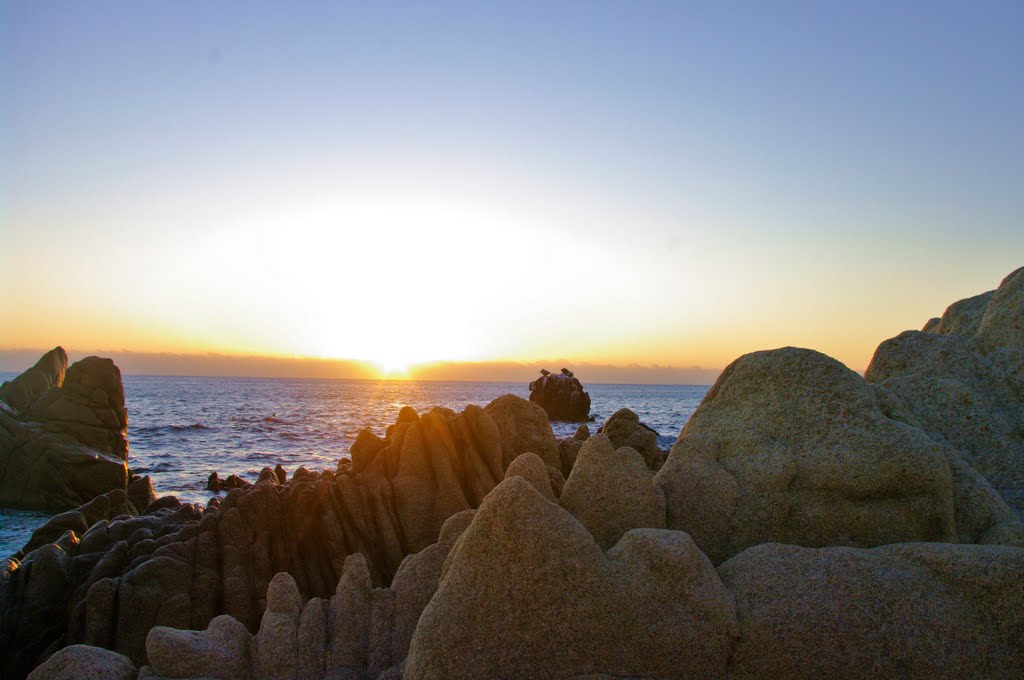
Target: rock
[(612, 491), (791, 446), (82, 662), (530, 467), (963, 382), (909, 610), (561, 396), (625, 429), (279, 472), (555, 605), (366, 446), (277, 643), (524, 428), (100, 509), (48, 373), (141, 493), (64, 439), (224, 650)]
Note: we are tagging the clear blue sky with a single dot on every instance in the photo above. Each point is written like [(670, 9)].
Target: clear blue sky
[(732, 175)]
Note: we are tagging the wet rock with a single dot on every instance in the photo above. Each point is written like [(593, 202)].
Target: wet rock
[(561, 396), (63, 433)]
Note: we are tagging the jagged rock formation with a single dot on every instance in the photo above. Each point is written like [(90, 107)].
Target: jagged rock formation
[(625, 429), (561, 396), (358, 632), (181, 566), (962, 380), (63, 433), (791, 446)]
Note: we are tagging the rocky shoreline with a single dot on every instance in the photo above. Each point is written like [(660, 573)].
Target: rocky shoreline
[(808, 522)]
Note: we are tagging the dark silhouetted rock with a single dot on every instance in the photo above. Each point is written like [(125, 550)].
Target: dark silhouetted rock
[(63, 433), (561, 396)]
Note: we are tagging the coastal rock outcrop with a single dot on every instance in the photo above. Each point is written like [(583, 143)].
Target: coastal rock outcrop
[(561, 395), (63, 433), (574, 610), (791, 446), (962, 379), (181, 566)]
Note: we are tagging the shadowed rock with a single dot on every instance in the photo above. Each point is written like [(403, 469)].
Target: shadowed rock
[(181, 567), (962, 381), (791, 446), (63, 434), (625, 429), (911, 610)]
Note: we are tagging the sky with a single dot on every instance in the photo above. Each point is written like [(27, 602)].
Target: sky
[(630, 186)]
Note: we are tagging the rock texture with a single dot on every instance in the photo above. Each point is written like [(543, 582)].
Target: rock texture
[(625, 429), (107, 583), (962, 380), (561, 396), (63, 433), (359, 632), (526, 592), (791, 446), (82, 662), (612, 491), (920, 610)]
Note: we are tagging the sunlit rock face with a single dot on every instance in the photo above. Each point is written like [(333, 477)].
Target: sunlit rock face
[(63, 433), (181, 566), (962, 380), (561, 396), (790, 446)]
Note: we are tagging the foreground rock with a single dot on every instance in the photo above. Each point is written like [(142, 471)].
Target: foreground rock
[(791, 446), (82, 662), (181, 566), (561, 396), (63, 433), (653, 606), (920, 610), (962, 381)]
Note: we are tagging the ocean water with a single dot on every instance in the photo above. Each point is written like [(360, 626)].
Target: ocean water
[(181, 429)]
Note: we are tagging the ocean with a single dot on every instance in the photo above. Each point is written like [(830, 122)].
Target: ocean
[(180, 429)]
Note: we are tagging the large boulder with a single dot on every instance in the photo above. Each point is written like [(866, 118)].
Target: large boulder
[(63, 433), (920, 610), (962, 381), (791, 446), (82, 662), (561, 395), (526, 592)]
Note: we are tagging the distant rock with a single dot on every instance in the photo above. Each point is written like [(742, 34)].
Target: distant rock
[(63, 433), (216, 484), (791, 446), (962, 381), (561, 396)]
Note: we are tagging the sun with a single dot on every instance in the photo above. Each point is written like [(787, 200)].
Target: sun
[(392, 367)]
